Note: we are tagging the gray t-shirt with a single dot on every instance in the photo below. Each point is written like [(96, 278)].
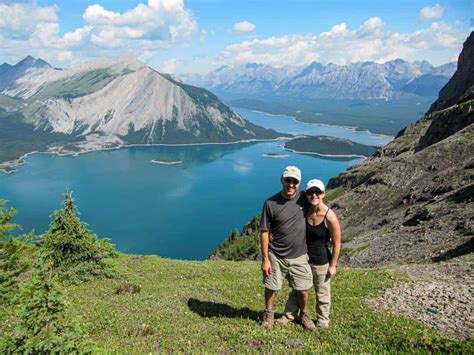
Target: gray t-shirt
[(286, 221)]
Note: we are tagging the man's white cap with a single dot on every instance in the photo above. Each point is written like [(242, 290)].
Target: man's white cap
[(292, 171), (315, 183)]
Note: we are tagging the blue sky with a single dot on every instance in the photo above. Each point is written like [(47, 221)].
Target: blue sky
[(199, 35)]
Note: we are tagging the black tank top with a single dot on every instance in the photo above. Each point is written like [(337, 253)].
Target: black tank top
[(317, 238)]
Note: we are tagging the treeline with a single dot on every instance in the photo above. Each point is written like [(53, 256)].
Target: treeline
[(241, 246), (33, 271)]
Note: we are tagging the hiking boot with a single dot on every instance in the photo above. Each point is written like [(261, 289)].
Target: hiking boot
[(307, 322), (268, 317), (285, 320)]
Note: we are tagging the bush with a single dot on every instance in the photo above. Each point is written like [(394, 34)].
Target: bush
[(75, 253)]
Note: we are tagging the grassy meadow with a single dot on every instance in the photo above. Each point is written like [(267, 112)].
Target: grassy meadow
[(157, 305)]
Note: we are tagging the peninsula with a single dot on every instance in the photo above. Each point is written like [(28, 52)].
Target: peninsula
[(329, 146)]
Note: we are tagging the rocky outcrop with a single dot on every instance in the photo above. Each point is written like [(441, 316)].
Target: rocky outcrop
[(413, 201), (460, 87)]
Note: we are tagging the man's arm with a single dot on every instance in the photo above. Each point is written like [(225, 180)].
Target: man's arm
[(335, 231), (266, 264)]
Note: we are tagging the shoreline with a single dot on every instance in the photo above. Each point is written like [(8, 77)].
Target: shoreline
[(12, 164), (328, 155)]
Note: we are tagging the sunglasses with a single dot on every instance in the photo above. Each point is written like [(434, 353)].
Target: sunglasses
[(314, 192), (291, 181)]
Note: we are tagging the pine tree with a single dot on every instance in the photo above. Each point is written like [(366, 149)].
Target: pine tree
[(10, 265), (42, 326), (73, 250)]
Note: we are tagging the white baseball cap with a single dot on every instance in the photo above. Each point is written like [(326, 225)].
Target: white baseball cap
[(315, 183), (292, 171)]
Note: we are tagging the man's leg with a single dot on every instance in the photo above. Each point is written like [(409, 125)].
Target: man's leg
[(302, 281), (272, 282), (302, 300), (305, 317), (268, 315), (269, 299)]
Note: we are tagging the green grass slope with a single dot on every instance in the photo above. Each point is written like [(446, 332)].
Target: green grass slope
[(214, 306)]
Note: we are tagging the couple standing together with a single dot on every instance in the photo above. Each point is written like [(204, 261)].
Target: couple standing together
[(295, 230)]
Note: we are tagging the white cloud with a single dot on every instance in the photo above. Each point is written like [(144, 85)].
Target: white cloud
[(97, 15), (29, 28), (342, 45), (431, 13), (244, 27), (146, 55), (169, 66), (20, 20)]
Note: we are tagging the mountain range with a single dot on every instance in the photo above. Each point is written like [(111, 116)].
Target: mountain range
[(357, 81), (107, 103)]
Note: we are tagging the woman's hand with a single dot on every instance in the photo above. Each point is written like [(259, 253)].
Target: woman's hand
[(331, 271)]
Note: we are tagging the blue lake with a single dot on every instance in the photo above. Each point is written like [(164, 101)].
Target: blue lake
[(181, 211), (290, 125)]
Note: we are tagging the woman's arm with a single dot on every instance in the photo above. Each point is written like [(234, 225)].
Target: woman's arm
[(335, 231)]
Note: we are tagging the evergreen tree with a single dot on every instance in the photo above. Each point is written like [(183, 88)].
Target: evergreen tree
[(73, 250), (42, 326), (10, 265)]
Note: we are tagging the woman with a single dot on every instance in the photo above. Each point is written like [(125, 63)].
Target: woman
[(322, 227)]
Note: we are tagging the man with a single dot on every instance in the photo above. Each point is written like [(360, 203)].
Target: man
[(284, 256)]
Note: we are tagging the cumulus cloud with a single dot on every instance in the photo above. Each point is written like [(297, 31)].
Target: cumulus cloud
[(342, 45), (244, 27), (431, 13), (29, 28), (20, 20)]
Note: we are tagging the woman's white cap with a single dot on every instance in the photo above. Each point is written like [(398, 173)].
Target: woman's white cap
[(315, 183)]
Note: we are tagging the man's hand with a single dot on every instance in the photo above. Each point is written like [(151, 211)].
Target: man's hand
[(331, 271), (266, 267)]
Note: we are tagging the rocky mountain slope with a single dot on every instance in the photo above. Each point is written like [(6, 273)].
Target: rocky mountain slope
[(108, 103), (367, 80), (413, 201)]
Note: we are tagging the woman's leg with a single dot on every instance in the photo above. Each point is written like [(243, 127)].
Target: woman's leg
[(322, 286)]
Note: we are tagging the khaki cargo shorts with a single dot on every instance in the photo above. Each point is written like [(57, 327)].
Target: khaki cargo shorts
[(297, 271)]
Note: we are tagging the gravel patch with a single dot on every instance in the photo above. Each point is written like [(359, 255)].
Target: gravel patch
[(438, 295)]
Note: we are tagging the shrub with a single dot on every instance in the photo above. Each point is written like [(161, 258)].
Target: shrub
[(73, 250)]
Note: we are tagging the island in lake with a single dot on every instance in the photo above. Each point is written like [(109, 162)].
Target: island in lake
[(165, 161), (275, 155), (330, 146)]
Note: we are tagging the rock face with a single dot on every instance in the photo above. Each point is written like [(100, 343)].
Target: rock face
[(117, 102), (367, 80), (413, 200)]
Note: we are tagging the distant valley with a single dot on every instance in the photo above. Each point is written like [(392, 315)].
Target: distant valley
[(381, 98)]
